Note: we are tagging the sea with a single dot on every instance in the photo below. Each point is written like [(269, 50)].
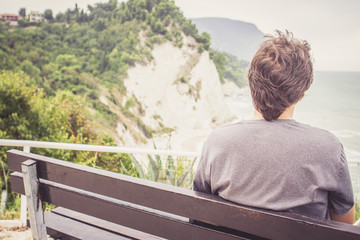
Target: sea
[(332, 103)]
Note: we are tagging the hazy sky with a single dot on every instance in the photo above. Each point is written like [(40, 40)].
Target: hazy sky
[(332, 27)]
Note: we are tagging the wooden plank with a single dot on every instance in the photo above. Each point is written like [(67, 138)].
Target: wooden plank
[(106, 225), (126, 214), (16, 183), (189, 204), (31, 186), (61, 227)]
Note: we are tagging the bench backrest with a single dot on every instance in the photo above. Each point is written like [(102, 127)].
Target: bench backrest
[(164, 210)]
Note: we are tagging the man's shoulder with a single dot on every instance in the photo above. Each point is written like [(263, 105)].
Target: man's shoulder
[(224, 135), (225, 130), (250, 128), (316, 132)]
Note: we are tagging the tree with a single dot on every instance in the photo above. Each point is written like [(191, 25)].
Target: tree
[(48, 14), (60, 17), (219, 60), (18, 120), (229, 67), (6, 60), (99, 25), (30, 69), (27, 113), (83, 17), (166, 8), (149, 5), (189, 28), (22, 12), (204, 38)]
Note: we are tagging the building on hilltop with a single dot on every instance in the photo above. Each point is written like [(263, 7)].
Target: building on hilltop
[(35, 16), (10, 18)]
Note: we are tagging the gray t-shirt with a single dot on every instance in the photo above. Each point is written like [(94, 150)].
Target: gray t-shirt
[(280, 165)]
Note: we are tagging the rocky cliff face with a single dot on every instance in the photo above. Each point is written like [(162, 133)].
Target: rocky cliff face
[(177, 93)]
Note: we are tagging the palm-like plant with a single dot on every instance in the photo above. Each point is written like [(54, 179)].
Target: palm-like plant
[(177, 172)]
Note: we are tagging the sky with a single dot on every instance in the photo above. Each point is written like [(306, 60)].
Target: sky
[(332, 27)]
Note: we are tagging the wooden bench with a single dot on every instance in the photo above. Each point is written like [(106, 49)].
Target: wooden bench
[(97, 204)]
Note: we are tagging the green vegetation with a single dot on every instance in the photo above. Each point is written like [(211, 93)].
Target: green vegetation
[(26, 112), (80, 51), (177, 172), (53, 73), (357, 210), (174, 171), (230, 68)]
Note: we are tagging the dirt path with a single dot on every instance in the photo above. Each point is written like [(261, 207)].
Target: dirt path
[(15, 233)]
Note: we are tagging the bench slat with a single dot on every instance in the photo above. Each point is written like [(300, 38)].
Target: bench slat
[(66, 228), (106, 225), (189, 204), (122, 213)]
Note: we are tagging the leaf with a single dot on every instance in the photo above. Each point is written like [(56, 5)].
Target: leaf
[(181, 179), (123, 169), (153, 169), (158, 163), (137, 166), (170, 170)]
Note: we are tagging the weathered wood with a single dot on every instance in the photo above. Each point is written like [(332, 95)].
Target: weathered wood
[(4, 194), (100, 223), (61, 227), (173, 200), (31, 186), (126, 214), (17, 184)]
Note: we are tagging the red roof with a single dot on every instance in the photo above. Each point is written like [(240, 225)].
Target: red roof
[(10, 14)]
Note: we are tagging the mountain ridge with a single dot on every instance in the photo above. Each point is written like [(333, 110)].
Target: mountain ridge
[(234, 36)]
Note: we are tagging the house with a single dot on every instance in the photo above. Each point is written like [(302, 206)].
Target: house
[(12, 19), (9, 17), (35, 16)]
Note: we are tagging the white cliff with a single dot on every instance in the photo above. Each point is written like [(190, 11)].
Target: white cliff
[(179, 89)]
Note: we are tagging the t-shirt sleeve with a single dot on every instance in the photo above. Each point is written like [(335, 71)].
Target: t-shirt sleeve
[(201, 181), (342, 200)]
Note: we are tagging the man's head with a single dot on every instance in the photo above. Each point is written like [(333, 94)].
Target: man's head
[(280, 73)]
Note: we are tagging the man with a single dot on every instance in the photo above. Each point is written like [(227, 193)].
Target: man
[(272, 161)]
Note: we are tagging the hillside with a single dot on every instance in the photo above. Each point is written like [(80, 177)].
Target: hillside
[(96, 56), (236, 37), (134, 73)]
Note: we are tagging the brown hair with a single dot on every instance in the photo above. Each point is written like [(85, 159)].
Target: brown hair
[(280, 73)]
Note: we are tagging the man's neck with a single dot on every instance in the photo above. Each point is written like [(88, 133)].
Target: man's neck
[(287, 114)]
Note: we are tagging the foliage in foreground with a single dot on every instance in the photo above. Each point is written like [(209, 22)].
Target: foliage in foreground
[(173, 171), (27, 113)]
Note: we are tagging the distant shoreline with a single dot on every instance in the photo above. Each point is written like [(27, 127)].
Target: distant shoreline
[(335, 71)]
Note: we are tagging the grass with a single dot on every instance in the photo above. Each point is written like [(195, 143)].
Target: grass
[(10, 215), (13, 211), (357, 211)]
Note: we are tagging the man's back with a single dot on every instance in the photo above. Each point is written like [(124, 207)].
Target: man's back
[(280, 165)]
